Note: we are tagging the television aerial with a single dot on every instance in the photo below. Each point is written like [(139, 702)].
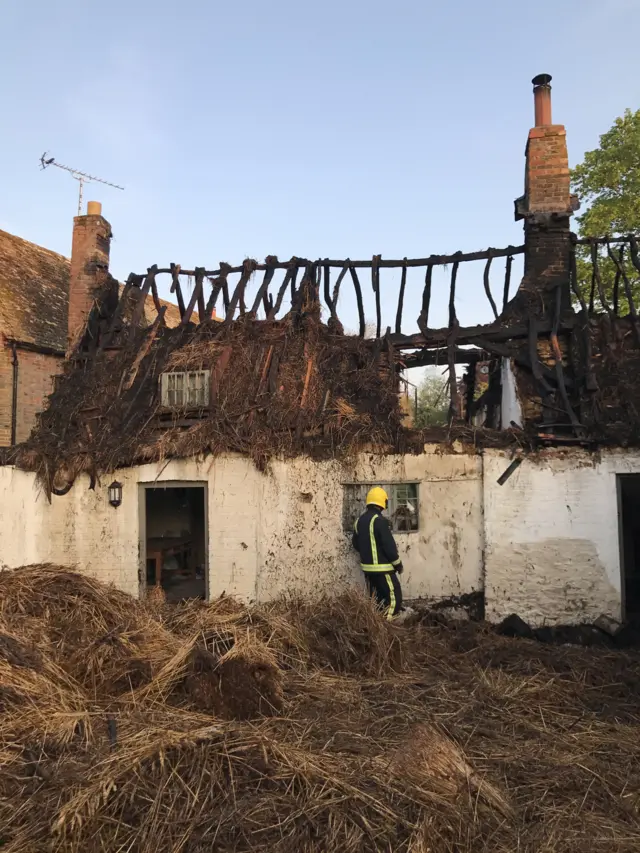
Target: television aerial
[(81, 177)]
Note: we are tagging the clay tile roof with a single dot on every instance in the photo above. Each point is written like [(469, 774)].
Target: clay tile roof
[(34, 289), (34, 295)]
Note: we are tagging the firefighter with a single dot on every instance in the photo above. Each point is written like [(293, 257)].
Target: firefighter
[(379, 560)]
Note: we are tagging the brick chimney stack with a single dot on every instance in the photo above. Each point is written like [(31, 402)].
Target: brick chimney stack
[(89, 267), (547, 188), (546, 208)]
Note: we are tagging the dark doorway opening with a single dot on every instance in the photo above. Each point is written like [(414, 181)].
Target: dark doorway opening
[(629, 497), (175, 540)]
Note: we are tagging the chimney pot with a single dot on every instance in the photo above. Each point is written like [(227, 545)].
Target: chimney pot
[(94, 208), (542, 99)]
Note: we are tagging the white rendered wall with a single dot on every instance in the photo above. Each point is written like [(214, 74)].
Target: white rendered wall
[(552, 542), (549, 537), (269, 533)]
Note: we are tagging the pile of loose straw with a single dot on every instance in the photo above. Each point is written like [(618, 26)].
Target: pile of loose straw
[(296, 727)]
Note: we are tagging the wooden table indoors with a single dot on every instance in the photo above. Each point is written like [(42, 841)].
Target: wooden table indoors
[(162, 547)]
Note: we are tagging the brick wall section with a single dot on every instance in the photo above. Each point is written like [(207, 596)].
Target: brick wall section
[(547, 263), (546, 208), (6, 385), (89, 268), (35, 382), (547, 183)]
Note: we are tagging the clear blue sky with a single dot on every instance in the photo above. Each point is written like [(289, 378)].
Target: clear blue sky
[(248, 128)]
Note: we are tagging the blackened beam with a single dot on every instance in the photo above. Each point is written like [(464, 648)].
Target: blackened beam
[(468, 334), (620, 271), (603, 241), (439, 356), (486, 350), (433, 260)]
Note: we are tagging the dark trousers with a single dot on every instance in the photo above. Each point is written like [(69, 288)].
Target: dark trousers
[(385, 588)]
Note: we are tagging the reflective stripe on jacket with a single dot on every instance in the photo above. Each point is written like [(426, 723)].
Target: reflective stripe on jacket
[(373, 540)]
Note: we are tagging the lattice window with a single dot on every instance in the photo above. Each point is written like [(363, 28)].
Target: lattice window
[(403, 510), (186, 390)]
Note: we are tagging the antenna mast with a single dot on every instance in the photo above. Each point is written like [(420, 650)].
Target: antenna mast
[(81, 177)]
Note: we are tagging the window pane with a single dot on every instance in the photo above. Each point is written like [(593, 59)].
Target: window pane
[(179, 385), (353, 504), (405, 507), (185, 390)]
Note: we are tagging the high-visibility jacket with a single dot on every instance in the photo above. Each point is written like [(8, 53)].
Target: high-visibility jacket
[(373, 540)]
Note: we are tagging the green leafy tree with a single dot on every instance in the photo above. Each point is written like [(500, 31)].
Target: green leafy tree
[(608, 185), (433, 402)]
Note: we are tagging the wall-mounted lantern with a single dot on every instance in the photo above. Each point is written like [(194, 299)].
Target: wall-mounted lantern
[(115, 493)]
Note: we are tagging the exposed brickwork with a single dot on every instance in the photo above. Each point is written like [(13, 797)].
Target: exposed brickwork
[(547, 184), (89, 268), (546, 208), (35, 382), (6, 384), (547, 263)]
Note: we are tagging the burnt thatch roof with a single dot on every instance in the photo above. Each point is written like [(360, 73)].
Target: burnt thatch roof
[(34, 283), (278, 387)]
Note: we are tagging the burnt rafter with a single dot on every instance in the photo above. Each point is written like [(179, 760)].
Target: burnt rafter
[(603, 278), (276, 287), (599, 266), (224, 291), (547, 332)]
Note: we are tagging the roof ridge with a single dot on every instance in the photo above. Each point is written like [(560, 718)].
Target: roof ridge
[(35, 246)]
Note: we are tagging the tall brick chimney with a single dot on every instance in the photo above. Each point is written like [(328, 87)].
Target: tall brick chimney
[(546, 187), (89, 267), (547, 203)]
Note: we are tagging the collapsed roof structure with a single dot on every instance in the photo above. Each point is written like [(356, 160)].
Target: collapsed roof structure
[(273, 378)]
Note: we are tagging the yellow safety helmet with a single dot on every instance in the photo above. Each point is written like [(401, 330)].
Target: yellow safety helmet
[(378, 497)]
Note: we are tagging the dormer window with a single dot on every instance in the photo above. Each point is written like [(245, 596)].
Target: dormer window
[(185, 390)]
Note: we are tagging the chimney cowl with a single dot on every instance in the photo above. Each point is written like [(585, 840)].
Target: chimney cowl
[(542, 80)]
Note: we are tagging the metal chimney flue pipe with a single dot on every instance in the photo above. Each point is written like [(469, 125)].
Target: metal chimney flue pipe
[(542, 99)]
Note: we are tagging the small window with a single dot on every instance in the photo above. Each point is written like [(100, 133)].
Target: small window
[(403, 505), (188, 390)]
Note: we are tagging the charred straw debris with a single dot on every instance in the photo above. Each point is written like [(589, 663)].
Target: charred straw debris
[(296, 727), (277, 387), (291, 384)]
